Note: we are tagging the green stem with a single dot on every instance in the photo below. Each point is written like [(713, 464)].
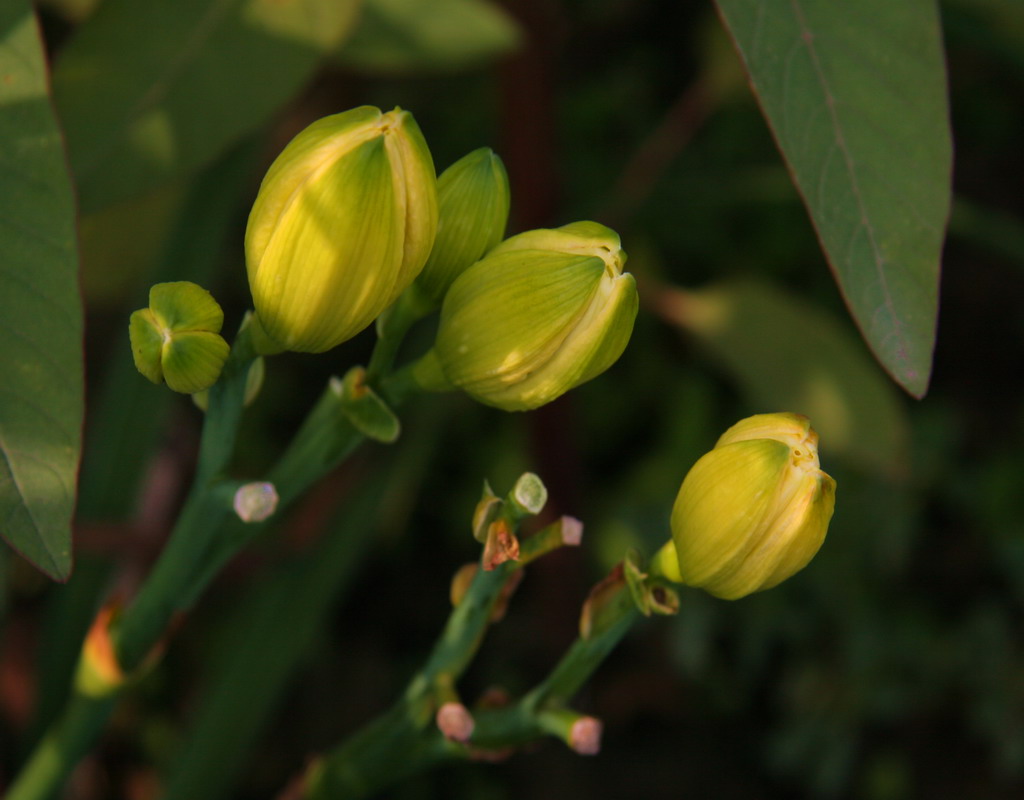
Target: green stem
[(520, 723), (391, 748), (61, 748), (325, 439), (160, 597), (392, 326), (463, 633), (206, 509), (145, 621), (402, 742), (665, 563), (224, 412), (583, 658), (207, 535)]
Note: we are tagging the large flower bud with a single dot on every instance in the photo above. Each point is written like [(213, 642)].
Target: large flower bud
[(541, 313), (473, 203), (754, 510), (343, 222)]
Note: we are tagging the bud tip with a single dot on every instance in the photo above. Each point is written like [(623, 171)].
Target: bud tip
[(572, 531), (455, 722), (255, 502), (585, 736)]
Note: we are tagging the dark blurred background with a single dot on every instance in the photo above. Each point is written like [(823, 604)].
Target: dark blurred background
[(891, 668)]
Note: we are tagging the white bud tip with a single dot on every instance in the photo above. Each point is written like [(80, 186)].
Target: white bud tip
[(585, 737), (572, 531), (530, 493), (455, 722), (255, 502)]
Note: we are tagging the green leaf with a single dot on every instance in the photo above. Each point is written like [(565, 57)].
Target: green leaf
[(150, 90), (855, 94), (401, 36), (40, 310), (788, 355)]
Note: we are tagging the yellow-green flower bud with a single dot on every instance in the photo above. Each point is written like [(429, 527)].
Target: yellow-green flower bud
[(473, 203), (176, 340), (754, 510), (541, 313), (344, 221)]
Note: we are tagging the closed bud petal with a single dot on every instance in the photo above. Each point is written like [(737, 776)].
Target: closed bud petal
[(473, 204), (344, 221), (147, 340), (177, 338), (192, 361), (541, 313), (754, 510)]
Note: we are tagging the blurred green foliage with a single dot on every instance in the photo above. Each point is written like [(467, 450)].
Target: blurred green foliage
[(891, 668)]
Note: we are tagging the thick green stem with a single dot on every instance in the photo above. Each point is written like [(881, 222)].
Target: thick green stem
[(61, 748), (224, 412), (206, 509), (325, 439), (392, 326), (162, 595), (208, 533), (146, 619)]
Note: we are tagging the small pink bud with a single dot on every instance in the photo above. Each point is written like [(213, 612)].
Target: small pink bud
[(572, 531), (585, 737), (455, 722)]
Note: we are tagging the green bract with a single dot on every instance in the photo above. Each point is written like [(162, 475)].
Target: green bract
[(473, 203), (754, 510), (541, 313), (344, 221), (176, 340)]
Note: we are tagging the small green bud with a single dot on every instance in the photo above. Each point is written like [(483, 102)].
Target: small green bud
[(540, 314), (176, 340), (344, 221), (754, 510), (473, 203)]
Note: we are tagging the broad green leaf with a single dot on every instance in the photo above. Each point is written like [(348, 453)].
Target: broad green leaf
[(150, 90), (855, 94), (73, 11), (399, 36), (788, 355), (40, 310)]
